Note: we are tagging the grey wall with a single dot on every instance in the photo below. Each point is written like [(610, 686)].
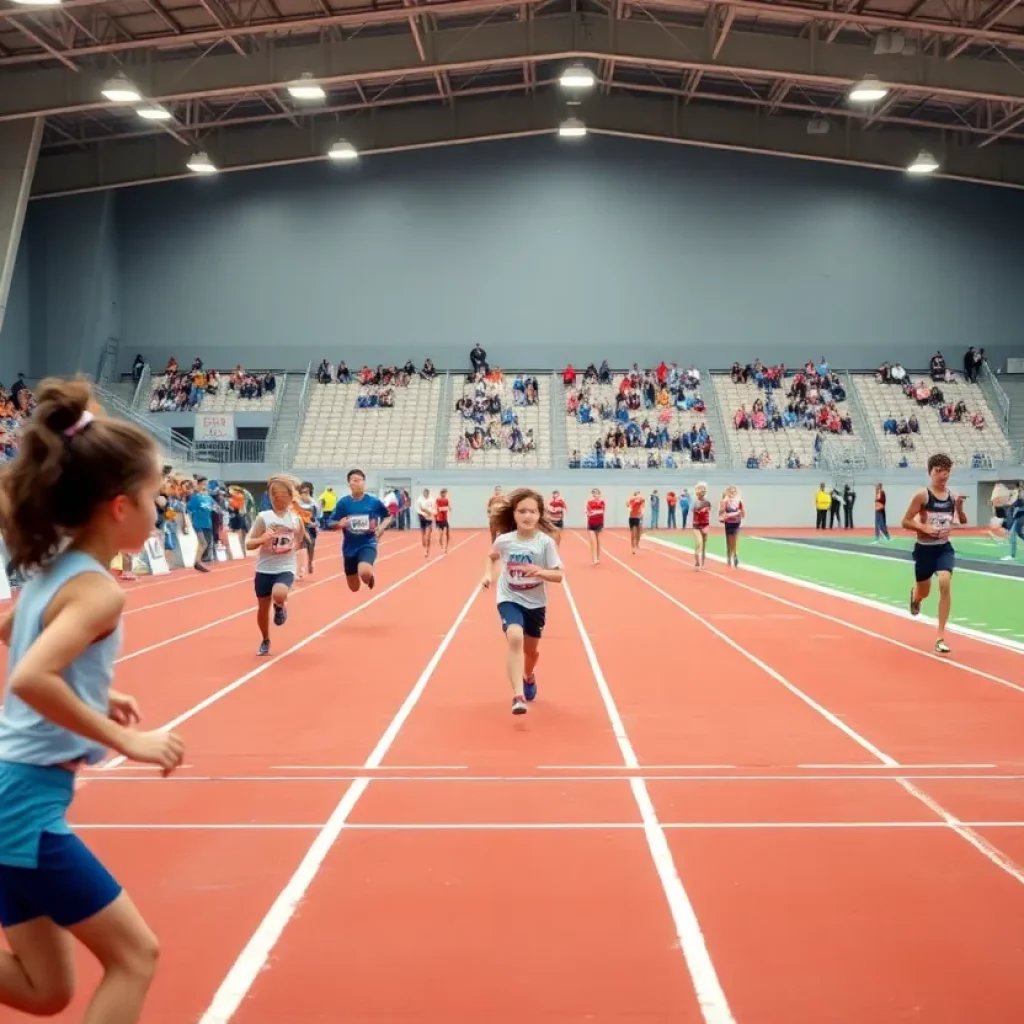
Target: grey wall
[(14, 334), (541, 251)]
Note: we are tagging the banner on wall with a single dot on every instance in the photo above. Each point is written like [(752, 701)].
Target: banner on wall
[(214, 426)]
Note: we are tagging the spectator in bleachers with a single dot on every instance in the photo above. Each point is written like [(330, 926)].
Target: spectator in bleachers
[(478, 360), (937, 367), (428, 372), (569, 376)]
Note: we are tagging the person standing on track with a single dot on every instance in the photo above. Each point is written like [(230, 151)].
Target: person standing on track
[(556, 513), (81, 488), (306, 509), (529, 560), (363, 518), (933, 513), (426, 511), (731, 513), (595, 523), (701, 524), (442, 509), (276, 536), (635, 504)]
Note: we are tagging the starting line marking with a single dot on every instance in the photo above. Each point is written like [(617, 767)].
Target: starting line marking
[(553, 826)]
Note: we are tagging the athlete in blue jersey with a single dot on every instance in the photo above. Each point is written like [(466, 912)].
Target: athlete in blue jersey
[(362, 518), (933, 513)]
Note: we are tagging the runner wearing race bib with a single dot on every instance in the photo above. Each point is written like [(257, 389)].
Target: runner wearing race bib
[(362, 518), (528, 560), (276, 536), (443, 507), (934, 512)]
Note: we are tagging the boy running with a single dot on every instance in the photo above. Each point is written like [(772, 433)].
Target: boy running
[(362, 518), (933, 513)]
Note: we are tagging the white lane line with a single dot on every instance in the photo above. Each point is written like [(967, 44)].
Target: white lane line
[(253, 958), (710, 995), (220, 694)]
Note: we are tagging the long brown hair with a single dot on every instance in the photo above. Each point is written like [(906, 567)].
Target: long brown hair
[(503, 511), (66, 467)]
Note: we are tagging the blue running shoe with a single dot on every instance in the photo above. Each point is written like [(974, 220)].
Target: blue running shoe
[(264, 649), (530, 688), (280, 614)]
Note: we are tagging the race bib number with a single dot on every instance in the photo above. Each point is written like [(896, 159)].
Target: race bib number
[(517, 578), (282, 543), (942, 522), (359, 524)]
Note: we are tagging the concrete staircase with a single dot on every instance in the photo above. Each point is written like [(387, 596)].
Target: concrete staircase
[(284, 431)]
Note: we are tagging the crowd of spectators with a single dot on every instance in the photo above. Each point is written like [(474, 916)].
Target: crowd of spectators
[(16, 404), (814, 396), (489, 422), (927, 396), (180, 390), (631, 439), (376, 386)]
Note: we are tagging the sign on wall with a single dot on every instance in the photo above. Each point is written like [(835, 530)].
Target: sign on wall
[(215, 426)]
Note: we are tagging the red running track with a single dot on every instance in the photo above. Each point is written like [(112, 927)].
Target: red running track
[(714, 811)]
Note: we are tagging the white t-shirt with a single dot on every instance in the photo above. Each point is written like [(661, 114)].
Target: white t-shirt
[(516, 551), (280, 557), (425, 507)]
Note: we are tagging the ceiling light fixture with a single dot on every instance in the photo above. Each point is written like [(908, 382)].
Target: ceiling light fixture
[(572, 128), (200, 163), (868, 90), (306, 88), (923, 163), (119, 90), (154, 112), (343, 150), (577, 76)]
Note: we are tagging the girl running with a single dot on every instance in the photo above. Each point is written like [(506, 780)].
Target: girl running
[(635, 503), (528, 558), (306, 509), (932, 515), (731, 513), (81, 489), (556, 513), (276, 536), (595, 523), (426, 509), (701, 524), (442, 507)]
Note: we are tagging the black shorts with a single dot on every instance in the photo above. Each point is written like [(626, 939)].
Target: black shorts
[(635, 521), (595, 527), (425, 523), (932, 558), (531, 620), (442, 526), (236, 521), (266, 581), (731, 528)]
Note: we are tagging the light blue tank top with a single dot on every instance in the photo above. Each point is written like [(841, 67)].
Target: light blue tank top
[(25, 736)]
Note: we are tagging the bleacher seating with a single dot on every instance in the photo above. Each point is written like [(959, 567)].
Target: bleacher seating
[(583, 438), (337, 432), (224, 399), (782, 442), (961, 441), (535, 418)]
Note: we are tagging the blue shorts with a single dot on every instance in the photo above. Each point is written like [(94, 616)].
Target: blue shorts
[(531, 620), (266, 581), (731, 528), (68, 884), (932, 558), (367, 553)]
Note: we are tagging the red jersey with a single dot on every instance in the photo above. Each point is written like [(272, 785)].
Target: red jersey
[(701, 513), (595, 512), (556, 509), (441, 510), (636, 507)]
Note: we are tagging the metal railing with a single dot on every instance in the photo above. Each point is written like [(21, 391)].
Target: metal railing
[(1001, 397), (444, 415), (143, 389), (177, 446), (223, 452), (304, 398), (866, 431), (726, 456), (559, 453)]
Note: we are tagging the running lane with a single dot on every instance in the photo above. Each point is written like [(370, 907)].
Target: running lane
[(204, 857), (450, 915), (822, 898), (920, 709)]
